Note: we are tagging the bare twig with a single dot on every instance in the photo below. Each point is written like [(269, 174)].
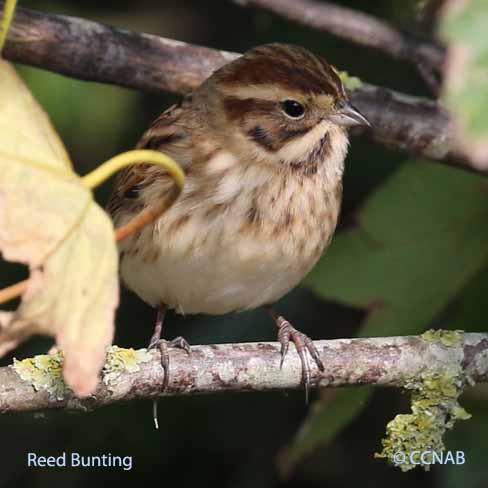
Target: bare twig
[(360, 28), (391, 361), (92, 51)]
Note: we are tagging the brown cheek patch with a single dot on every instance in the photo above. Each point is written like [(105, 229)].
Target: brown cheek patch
[(288, 134), (258, 120), (272, 138), (261, 137), (254, 116)]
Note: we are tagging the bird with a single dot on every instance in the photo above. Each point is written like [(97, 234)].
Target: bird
[(262, 142)]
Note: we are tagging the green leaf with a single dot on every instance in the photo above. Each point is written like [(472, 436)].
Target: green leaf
[(418, 241), (327, 417), (111, 107), (470, 310)]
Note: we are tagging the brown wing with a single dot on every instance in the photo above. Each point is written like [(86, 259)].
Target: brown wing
[(169, 133)]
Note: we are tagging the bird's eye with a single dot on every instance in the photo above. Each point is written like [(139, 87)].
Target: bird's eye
[(293, 109)]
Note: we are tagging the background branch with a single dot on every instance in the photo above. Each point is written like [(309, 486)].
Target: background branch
[(92, 51), (391, 361), (360, 28)]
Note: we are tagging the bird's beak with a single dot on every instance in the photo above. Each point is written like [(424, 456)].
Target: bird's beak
[(349, 116)]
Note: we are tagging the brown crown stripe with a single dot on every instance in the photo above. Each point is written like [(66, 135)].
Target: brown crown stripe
[(290, 67)]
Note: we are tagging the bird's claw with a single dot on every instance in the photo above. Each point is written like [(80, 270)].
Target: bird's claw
[(164, 345), (286, 334)]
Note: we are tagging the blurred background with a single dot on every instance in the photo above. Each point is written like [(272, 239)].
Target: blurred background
[(411, 253)]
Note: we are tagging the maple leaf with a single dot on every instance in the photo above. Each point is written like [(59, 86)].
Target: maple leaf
[(50, 222)]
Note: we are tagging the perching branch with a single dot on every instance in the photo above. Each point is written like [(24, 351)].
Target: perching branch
[(92, 51), (360, 28), (390, 361)]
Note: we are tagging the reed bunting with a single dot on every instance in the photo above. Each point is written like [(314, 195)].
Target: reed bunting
[(262, 142)]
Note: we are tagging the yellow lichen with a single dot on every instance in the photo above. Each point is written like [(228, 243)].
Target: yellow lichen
[(350, 82), (446, 337), (435, 409), (43, 372), (120, 360)]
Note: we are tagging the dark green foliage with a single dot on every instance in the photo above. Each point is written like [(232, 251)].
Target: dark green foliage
[(411, 253)]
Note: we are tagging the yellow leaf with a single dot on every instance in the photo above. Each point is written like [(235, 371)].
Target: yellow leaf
[(35, 179), (49, 221)]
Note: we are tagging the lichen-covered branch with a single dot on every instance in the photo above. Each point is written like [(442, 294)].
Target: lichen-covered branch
[(92, 51), (36, 383), (360, 28)]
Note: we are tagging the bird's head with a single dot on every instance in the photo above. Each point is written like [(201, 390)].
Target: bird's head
[(281, 104)]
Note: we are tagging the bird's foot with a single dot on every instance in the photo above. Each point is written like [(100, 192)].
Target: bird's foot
[(164, 345), (303, 344)]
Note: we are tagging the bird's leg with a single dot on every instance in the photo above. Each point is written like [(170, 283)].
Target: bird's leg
[(164, 345), (303, 343), (157, 341)]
